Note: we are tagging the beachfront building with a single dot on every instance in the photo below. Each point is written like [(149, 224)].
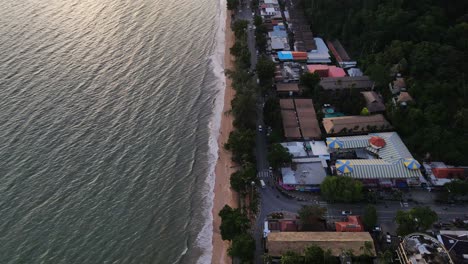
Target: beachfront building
[(419, 248), (347, 82), (299, 119), (349, 125), (308, 168), (353, 223), (326, 70), (439, 173), (374, 102), (340, 54), (378, 159), (456, 243), (319, 54), (337, 242)]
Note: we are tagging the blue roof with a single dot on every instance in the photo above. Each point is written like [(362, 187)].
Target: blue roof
[(285, 55), (278, 34), (279, 27)]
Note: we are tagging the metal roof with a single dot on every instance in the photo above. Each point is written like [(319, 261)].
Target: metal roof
[(388, 165)]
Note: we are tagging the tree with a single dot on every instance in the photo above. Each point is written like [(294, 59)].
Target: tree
[(233, 222), (291, 257), (265, 69), (310, 216), (385, 257), (232, 4), (341, 189), (309, 81), (278, 156), (370, 217), (313, 255), (243, 247), (416, 219), (241, 144), (365, 111), (457, 187), (242, 178)]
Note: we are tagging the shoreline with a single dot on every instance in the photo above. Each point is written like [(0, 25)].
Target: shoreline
[(223, 194)]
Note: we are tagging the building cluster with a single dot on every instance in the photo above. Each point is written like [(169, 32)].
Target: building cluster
[(359, 146), (326, 140)]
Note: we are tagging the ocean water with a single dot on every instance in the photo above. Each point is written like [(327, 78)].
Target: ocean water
[(109, 112)]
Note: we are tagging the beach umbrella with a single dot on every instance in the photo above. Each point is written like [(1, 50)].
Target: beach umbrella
[(377, 142), (412, 164), (334, 143), (343, 166)]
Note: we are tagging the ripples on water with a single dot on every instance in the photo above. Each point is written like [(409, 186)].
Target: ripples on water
[(104, 114)]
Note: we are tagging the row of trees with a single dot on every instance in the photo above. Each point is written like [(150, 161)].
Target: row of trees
[(341, 189), (234, 227), (424, 40)]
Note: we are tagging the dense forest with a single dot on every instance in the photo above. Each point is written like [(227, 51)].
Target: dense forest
[(426, 41)]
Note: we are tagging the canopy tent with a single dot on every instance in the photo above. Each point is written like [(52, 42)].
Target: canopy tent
[(412, 164), (344, 166), (377, 142), (334, 143)]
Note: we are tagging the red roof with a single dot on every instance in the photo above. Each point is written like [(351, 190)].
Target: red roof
[(288, 226), (449, 173), (377, 142), (353, 224)]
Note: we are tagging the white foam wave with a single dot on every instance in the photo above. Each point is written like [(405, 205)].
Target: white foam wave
[(204, 239)]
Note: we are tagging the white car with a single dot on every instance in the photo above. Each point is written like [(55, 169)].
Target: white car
[(388, 238), (260, 129), (346, 212)]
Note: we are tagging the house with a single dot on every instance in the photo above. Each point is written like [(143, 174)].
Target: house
[(439, 173), (355, 124), (397, 85), (326, 70), (419, 248), (305, 174), (320, 54), (292, 56), (374, 102), (307, 119), (404, 98), (355, 72), (287, 88), (348, 82), (307, 149), (353, 224), (380, 159), (340, 54), (280, 242), (456, 243)]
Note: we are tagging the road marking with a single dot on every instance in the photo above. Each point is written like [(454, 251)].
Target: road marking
[(264, 174)]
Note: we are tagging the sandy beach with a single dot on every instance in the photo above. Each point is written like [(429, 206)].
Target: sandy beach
[(223, 194)]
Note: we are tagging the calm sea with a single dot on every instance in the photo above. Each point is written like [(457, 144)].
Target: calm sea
[(106, 125)]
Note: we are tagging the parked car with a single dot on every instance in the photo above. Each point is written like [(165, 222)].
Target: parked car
[(346, 212), (388, 238), (260, 128)]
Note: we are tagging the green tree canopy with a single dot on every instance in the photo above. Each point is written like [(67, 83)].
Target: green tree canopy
[(370, 217), (309, 213), (241, 144), (292, 257), (278, 156), (232, 4), (242, 179), (457, 187), (313, 255), (243, 247), (341, 189), (416, 219), (233, 223), (265, 69), (309, 81)]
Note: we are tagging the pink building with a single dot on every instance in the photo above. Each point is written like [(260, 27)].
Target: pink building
[(326, 70)]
